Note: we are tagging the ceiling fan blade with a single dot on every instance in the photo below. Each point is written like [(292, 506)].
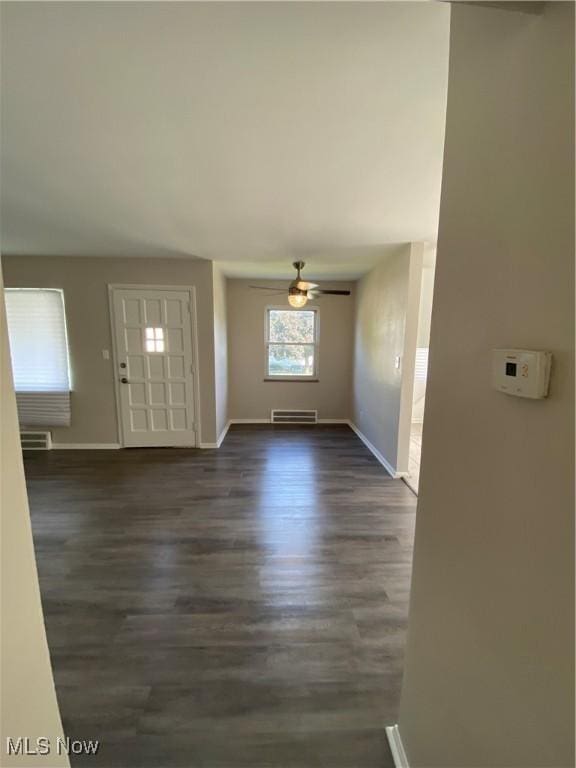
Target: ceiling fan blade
[(302, 285), (333, 293), (268, 288)]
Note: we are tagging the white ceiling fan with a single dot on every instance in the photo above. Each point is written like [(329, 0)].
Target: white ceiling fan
[(300, 291)]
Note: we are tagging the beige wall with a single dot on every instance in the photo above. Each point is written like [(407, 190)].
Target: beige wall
[(253, 398), (386, 325), (85, 284), (220, 349), (489, 676), (28, 701)]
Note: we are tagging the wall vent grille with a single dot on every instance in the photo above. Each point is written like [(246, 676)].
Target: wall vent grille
[(36, 441), (294, 417)]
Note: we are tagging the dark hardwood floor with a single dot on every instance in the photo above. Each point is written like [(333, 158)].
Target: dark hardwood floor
[(244, 607)]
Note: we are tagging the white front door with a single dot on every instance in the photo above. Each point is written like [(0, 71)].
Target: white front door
[(154, 366)]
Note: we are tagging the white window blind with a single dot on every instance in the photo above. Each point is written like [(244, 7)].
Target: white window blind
[(421, 369), (39, 352)]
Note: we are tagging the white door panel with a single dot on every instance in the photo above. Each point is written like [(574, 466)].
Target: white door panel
[(154, 356)]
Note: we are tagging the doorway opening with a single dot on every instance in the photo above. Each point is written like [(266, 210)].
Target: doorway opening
[(421, 369)]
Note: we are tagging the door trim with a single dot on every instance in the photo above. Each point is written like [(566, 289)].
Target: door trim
[(191, 289)]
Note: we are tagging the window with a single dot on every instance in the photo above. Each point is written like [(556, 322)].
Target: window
[(39, 352), (291, 343)]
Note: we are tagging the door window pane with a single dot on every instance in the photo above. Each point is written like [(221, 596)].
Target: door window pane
[(154, 339)]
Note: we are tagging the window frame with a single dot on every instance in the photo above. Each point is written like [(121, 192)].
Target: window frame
[(313, 377)]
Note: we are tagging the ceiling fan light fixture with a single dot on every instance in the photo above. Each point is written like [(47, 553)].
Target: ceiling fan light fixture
[(297, 299), (300, 291)]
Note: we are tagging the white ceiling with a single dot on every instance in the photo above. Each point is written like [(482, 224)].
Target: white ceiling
[(249, 133)]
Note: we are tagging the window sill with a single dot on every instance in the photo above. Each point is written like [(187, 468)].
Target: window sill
[(309, 379)]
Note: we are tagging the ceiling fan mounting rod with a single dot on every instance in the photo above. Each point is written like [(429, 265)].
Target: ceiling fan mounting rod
[(298, 265)]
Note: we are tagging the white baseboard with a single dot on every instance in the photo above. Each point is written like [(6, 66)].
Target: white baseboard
[(387, 466), (396, 747), (220, 440), (224, 432), (267, 421), (334, 421), (249, 421), (85, 446), (223, 435)]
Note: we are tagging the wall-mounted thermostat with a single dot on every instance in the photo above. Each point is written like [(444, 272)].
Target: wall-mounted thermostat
[(521, 372)]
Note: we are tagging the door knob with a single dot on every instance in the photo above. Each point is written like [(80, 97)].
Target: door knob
[(124, 380)]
